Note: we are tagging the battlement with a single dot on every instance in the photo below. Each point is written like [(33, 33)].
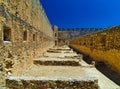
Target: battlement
[(65, 34), (82, 29)]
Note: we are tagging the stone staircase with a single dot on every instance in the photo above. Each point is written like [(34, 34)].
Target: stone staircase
[(59, 68), (59, 57)]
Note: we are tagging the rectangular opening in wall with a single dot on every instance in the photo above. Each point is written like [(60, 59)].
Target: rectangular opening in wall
[(6, 33), (33, 37), (55, 42), (55, 35), (25, 35)]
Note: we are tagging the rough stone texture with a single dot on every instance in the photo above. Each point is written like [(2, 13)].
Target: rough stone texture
[(59, 51), (51, 83), (64, 34), (57, 61), (101, 46), (31, 11), (70, 59), (25, 34), (16, 17), (49, 74), (103, 40), (58, 55)]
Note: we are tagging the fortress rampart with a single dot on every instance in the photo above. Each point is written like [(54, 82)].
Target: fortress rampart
[(101, 46), (25, 33), (65, 34)]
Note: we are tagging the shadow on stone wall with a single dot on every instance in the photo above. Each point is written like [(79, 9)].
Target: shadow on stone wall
[(101, 66)]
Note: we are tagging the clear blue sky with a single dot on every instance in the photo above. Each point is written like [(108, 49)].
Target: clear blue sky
[(82, 13)]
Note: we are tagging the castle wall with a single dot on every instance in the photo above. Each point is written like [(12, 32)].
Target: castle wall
[(25, 33), (31, 11), (101, 46), (65, 34)]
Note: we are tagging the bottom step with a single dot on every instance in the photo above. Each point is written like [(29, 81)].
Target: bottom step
[(24, 82)]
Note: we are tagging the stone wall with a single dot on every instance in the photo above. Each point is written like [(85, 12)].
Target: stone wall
[(102, 46), (25, 33), (103, 40), (31, 11), (68, 33)]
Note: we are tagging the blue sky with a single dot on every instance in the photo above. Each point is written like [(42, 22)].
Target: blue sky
[(82, 13)]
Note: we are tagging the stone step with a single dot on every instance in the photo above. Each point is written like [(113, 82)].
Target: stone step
[(59, 51), (60, 55), (61, 48), (57, 61), (28, 82)]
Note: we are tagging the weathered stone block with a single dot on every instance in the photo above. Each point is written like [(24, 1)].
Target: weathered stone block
[(57, 62), (51, 83)]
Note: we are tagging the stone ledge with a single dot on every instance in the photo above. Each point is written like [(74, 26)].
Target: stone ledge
[(60, 55), (60, 51), (57, 61), (24, 82)]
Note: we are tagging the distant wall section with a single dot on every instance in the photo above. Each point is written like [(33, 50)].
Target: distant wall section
[(65, 34)]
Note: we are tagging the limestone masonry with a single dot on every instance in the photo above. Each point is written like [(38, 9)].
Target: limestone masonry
[(25, 33), (30, 56), (65, 34), (101, 46), (103, 40), (24, 30)]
